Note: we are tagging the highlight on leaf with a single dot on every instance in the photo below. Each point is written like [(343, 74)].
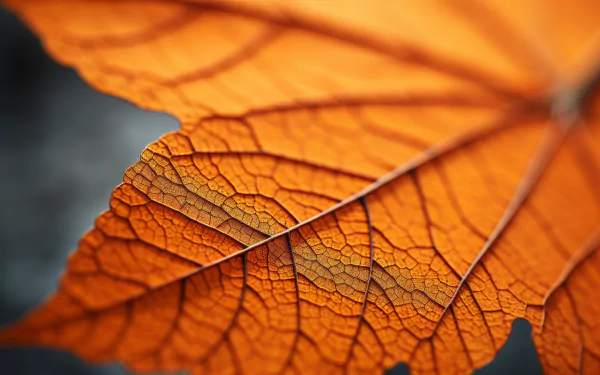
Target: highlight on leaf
[(354, 185)]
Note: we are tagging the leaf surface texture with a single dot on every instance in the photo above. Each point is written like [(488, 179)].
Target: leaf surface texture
[(354, 185)]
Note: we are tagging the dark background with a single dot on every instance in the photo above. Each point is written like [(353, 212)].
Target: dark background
[(63, 148)]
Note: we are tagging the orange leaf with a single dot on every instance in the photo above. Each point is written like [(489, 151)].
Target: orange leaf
[(354, 185)]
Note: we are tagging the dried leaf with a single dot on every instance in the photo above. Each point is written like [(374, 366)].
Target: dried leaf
[(354, 185)]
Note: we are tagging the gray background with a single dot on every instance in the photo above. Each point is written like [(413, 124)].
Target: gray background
[(63, 148)]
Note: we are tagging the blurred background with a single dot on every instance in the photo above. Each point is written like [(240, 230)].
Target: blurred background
[(63, 148)]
